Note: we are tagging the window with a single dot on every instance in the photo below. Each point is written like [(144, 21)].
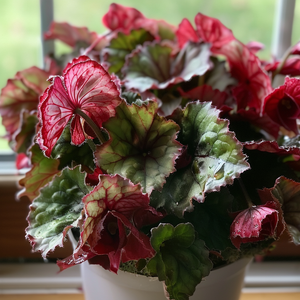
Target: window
[(20, 49), (20, 32)]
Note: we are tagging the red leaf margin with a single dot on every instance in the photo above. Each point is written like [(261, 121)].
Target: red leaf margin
[(85, 85)]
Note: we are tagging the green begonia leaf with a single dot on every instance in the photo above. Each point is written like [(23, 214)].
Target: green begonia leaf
[(212, 220), (181, 260), (70, 155), (123, 45), (216, 159), (142, 145), (154, 66), (287, 192), (58, 206), (42, 171)]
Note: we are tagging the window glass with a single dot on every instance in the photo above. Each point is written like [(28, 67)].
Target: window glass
[(20, 24)]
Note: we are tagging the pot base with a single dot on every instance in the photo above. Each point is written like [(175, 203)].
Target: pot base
[(224, 283)]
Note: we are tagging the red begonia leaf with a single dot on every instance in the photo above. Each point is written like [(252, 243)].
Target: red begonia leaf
[(209, 30), (85, 86), (21, 93), (93, 179), (113, 193), (138, 244), (71, 35), (291, 67), (206, 93), (253, 82), (186, 33), (254, 224), (123, 18), (282, 105), (212, 31), (110, 207)]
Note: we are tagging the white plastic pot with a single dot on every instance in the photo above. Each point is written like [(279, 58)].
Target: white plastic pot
[(224, 283)]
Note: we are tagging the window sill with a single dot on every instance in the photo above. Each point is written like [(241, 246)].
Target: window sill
[(43, 278)]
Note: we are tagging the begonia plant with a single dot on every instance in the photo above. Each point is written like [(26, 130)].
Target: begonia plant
[(164, 149)]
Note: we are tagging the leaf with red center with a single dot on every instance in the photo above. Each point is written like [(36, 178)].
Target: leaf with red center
[(186, 33), (58, 207), (72, 35), (253, 83), (212, 31), (21, 93), (206, 93), (209, 30), (288, 193), (122, 45), (93, 179), (154, 66), (216, 159), (122, 18), (282, 105), (255, 224), (86, 87), (112, 205), (42, 171), (142, 145)]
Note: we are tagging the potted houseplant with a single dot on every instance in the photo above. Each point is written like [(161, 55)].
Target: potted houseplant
[(163, 149)]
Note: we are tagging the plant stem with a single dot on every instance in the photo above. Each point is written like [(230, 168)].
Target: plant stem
[(92, 124), (247, 197), (96, 41), (283, 61)]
